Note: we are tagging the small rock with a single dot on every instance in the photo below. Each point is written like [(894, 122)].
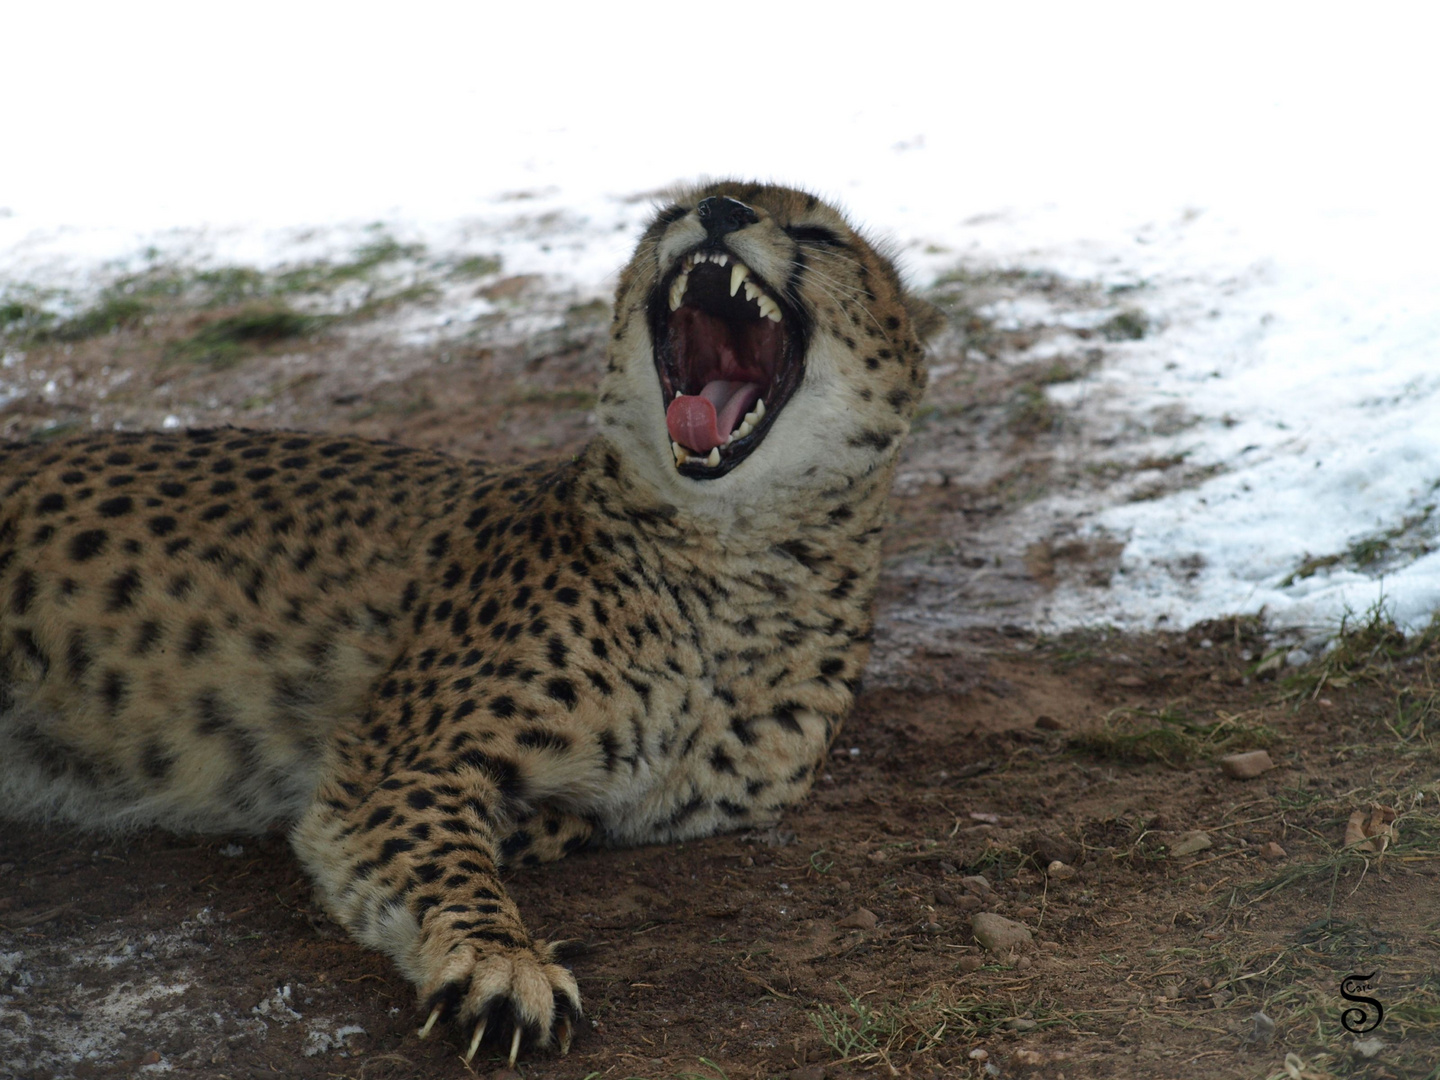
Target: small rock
[(1372, 832), (969, 903), (1189, 844), (1048, 723), (1246, 766), (1171, 991), (1023, 963), (944, 896), (1258, 1029), (1131, 681), (1020, 1023), (1027, 1059), (1272, 851), (1049, 946), (930, 928), (1058, 871), (151, 1057), (1368, 1048), (1297, 658), (967, 964), (859, 919), (975, 883), (979, 1055), (948, 868), (808, 1072), (999, 934), (1051, 847)]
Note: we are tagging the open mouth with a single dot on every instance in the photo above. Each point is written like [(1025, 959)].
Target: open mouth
[(729, 352)]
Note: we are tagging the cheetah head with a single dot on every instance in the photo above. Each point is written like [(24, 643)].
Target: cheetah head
[(760, 345)]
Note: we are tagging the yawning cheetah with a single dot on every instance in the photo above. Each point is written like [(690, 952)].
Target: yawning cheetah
[(425, 668)]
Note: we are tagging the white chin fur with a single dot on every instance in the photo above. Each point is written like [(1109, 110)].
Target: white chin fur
[(807, 446)]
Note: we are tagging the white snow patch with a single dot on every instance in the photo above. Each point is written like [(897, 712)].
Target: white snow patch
[(1279, 221), (277, 1007), (323, 1037)]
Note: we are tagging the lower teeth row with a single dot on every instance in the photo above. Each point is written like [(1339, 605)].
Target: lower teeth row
[(747, 425)]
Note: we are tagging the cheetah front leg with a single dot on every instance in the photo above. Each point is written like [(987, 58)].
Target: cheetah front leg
[(406, 860)]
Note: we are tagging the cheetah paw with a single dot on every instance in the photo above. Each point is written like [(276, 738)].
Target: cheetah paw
[(516, 992)]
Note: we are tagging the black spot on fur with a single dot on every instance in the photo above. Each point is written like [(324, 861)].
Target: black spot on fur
[(155, 761), (113, 689), (563, 691), (875, 440), (541, 739), (146, 637), (88, 544), (77, 655), (23, 591), (122, 589)]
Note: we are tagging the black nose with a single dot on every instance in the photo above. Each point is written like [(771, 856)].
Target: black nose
[(720, 215)]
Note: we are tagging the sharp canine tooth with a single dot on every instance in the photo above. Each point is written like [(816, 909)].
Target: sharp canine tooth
[(760, 409), (677, 290), (738, 273), (714, 458)]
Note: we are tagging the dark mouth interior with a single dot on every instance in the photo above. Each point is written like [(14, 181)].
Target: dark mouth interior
[(719, 357)]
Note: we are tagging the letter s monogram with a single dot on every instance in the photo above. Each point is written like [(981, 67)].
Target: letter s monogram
[(1353, 1020)]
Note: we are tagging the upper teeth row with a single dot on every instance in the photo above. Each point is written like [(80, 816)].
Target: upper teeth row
[(739, 275)]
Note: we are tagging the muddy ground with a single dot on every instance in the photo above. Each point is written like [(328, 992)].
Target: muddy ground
[(1061, 782)]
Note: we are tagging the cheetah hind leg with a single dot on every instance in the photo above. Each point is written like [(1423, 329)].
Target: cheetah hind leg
[(546, 835)]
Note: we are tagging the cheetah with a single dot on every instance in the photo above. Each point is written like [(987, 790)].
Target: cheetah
[(425, 668)]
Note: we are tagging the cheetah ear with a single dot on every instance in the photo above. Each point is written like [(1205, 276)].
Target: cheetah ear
[(926, 319)]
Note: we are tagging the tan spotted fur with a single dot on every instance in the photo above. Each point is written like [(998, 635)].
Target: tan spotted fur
[(424, 667)]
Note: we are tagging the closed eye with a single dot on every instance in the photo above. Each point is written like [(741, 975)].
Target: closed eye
[(813, 234)]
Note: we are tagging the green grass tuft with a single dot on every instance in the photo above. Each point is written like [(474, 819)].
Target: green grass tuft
[(1131, 324), (1169, 736), (111, 313), (226, 341)]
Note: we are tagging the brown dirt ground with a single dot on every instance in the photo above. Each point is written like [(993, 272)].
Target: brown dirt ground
[(840, 944)]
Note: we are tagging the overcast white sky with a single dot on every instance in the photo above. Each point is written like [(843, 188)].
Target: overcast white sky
[(169, 114)]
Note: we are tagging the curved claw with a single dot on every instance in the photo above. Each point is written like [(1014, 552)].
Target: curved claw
[(514, 1045), (564, 1033), (475, 1041), (434, 1015)]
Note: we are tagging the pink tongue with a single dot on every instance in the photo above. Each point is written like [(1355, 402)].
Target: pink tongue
[(702, 421)]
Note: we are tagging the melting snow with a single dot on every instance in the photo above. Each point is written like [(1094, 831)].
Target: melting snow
[(1263, 194)]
